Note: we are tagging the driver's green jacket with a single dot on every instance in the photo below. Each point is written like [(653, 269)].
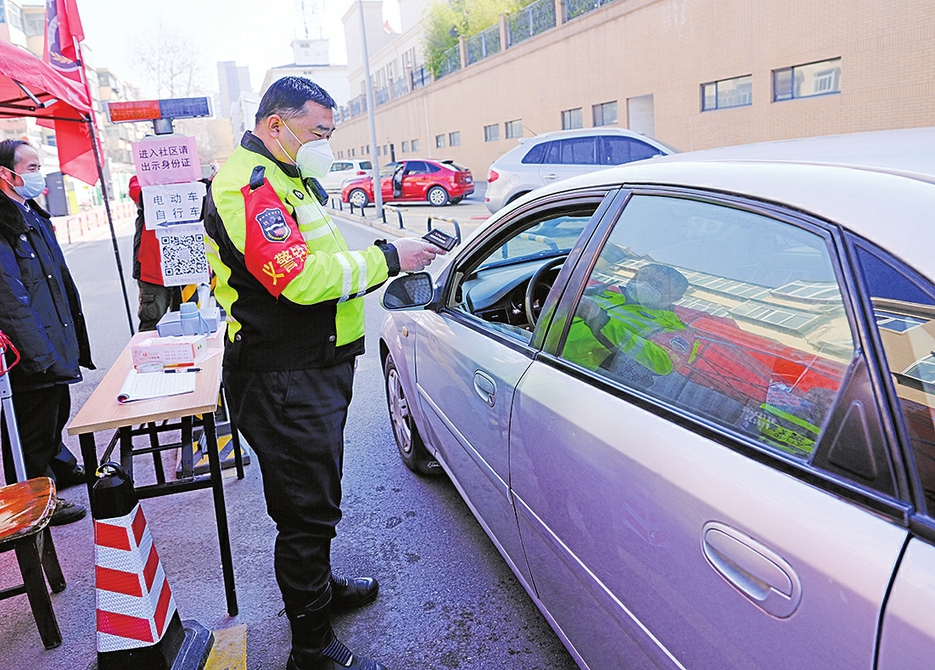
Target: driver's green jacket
[(318, 320), (627, 329)]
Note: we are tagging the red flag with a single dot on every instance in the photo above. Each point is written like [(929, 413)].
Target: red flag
[(63, 31)]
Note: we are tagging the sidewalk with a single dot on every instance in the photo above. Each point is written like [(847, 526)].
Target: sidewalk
[(92, 224)]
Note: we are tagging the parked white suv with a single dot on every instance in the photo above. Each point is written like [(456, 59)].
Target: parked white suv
[(551, 157), (342, 170)]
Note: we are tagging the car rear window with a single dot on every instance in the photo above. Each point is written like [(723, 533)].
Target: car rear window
[(536, 154), (366, 165), (456, 166)]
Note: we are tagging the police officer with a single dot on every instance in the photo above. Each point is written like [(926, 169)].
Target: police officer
[(613, 329), (293, 294)]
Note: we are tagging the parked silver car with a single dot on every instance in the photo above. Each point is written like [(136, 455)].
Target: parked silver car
[(691, 402), (551, 157)]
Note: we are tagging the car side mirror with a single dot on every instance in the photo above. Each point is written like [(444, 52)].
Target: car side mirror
[(409, 291)]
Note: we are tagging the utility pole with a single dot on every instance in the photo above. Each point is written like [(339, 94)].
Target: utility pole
[(374, 155)]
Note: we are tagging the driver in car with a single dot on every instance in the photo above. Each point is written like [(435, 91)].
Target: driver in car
[(614, 327)]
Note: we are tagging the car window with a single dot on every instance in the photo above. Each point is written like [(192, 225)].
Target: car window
[(341, 166), (904, 312), (366, 165), (573, 151), (537, 153), (730, 315), (415, 167), (492, 284), (640, 150), (431, 168)]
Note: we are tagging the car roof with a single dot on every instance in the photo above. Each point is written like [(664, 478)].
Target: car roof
[(881, 185)]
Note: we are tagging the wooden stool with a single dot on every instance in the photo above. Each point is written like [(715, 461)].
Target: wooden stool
[(25, 511)]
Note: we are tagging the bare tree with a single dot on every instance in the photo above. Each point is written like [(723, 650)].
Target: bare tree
[(170, 62)]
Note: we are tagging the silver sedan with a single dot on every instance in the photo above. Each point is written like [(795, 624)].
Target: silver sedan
[(691, 402)]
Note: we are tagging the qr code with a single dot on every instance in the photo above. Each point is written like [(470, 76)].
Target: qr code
[(183, 257)]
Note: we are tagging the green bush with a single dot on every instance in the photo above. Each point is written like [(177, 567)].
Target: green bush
[(446, 21)]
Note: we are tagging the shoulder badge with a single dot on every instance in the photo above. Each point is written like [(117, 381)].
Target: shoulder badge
[(298, 194), (273, 224)]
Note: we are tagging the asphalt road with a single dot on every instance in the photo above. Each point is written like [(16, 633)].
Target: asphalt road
[(447, 600)]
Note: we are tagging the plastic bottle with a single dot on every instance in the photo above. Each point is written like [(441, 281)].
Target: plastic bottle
[(191, 321)]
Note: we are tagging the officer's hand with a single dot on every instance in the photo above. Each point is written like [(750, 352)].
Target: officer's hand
[(415, 255), (591, 313)]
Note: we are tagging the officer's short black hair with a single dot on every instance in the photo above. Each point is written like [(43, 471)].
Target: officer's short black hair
[(8, 152), (287, 97)]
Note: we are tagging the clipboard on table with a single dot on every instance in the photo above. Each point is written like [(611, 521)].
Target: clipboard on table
[(149, 385)]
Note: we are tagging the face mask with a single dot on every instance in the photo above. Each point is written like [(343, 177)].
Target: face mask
[(33, 185), (647, 295), (314, 158)]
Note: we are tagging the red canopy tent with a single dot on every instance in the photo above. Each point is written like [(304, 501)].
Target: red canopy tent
[(31, 87)]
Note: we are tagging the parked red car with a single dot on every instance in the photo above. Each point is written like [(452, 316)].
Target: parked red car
[(437, 182)]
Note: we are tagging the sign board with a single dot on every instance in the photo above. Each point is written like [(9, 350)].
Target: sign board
[(182, 253), (166, 160), (165, 204)]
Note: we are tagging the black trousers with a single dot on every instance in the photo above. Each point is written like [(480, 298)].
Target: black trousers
[(294, 420), (41, 415)]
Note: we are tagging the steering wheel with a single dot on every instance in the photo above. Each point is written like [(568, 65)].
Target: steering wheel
[(538, 278)]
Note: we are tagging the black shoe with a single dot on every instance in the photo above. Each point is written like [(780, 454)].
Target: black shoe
[(350, 592), (73, 478), (67, 512), (334, 656)]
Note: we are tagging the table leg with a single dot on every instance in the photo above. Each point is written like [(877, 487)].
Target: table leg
[(89, 458), (220, 511)]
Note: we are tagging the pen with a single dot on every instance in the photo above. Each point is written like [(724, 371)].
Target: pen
[(174, 370)]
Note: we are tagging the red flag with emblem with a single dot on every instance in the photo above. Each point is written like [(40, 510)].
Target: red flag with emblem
[(274, 249)]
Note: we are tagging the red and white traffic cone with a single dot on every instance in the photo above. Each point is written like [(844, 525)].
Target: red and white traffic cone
[(138, 624)]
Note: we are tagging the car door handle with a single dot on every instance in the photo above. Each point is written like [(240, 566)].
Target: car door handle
[(551, 175), (486, 387), (759, 573)]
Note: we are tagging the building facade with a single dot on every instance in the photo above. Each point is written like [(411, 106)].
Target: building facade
[(693, 73)]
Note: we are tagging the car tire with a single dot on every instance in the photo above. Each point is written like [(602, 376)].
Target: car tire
[(437, 196), (359, 198), (408, 441)]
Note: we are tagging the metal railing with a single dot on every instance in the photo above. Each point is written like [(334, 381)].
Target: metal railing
[(483, 44), (428, 225), (398, 88), (576, 8), (381, 96), (530, 21), (399, 214), (419, 77), (451, 61)]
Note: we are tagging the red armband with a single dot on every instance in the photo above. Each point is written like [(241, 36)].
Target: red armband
[(274, 249)]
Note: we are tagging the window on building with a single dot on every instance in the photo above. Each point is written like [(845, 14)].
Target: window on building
[(405, 146), (806, 81), (513, 128), (605, 114), (363, 150), (726, 93), (340, 154), (35, 24), (15, 16), (440, 141), (454, 139), (386, 150), (415, 145), (492, 132), (572, 118)]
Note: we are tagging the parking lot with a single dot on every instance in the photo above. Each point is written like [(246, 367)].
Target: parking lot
[(413, 218)]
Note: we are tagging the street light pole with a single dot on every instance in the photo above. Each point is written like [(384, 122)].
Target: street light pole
[(374, 153)]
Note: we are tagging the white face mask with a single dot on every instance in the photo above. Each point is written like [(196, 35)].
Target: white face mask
[(33, 185), (313, 158)]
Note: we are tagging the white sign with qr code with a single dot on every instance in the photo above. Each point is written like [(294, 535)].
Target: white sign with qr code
[(182, 250)]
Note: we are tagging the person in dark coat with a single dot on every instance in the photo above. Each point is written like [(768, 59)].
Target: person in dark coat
[(40, 312)]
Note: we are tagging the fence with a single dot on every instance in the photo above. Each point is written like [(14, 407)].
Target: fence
[(575, 8), (451, 61), (530, 21), (483, 44)]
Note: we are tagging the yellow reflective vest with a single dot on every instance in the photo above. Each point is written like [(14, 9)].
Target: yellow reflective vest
[(318, 320)]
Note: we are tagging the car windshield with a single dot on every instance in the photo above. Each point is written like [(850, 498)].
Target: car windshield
[(553, 237)]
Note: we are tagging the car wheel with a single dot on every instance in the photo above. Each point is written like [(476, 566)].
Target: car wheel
[(358, 198), (411, 448), (437, 196)]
